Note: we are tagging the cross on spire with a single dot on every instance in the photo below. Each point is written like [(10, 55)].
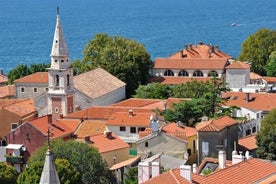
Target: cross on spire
[(48, 137), (57, 10)]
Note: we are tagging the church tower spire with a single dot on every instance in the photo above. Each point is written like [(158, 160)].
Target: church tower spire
[(60, 87)]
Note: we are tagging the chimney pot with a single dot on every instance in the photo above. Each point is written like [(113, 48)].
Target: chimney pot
[(130, 113), (222, 159), (186, 172)]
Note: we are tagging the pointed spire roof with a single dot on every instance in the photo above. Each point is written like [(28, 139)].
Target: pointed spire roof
[(49, 174), (59, 47)]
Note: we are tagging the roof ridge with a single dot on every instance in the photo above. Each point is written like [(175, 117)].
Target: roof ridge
[(174, 177)]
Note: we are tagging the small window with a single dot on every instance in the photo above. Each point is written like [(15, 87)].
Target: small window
[(62, 60), (133, 130), (194, 146), (122, 129), (56, 110), (46, 89), (14, 126), (55, 60), (35, 90), (254, 129), (141, 129), (146, 144), (22, 89), (56, 41), (189, 152)]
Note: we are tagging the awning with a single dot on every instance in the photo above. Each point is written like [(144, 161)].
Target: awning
[(14, 146)]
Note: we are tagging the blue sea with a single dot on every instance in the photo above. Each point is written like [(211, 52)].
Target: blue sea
[(162, 26)]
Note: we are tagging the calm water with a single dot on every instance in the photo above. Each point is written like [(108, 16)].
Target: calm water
[(163, 26)]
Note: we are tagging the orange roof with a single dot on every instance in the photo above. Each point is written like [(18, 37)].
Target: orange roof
[(200, 51), (97, 82), (215, 125), (3, 78), (178, 80), (125, 163), (6, 91), (22, 108), (254, 76), (256, 101), (136, 102), (246, 172), (38, 77), (105, 143), (269, 79), (125, 119), (146, 132), (61, 128), (6, 102), (90, 127), (211, 160), (248, 142), (238, 65), (173, 128), (195, 64)]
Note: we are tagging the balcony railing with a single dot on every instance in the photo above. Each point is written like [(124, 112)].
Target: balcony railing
[(15, 159)]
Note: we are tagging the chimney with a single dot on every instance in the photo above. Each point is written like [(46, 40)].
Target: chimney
[(164, 105), (143, 172), (50, 119), (186, 46), (130, 113), (108, 134), (237, 158), (87, 139), (155, 169), (247, 97), (222, 159), (194, 168), (154, 124), (181, 53), (200, 42), (186, 172)]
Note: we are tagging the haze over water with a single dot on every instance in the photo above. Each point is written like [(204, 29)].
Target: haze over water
[(163, 26)]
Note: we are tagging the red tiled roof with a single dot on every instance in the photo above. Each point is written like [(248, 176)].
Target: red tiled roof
[(198, 64), (178, 80), (124, 118), (173, 128), (125, 163), (238, 65), (60, 128), (90, 127), (6, 91), (38, 77), (146, 132), (256, 101), (22, 108), (136, 102), (211, 160), (269, 79), (254, 76), (248, 142), (6, 102), (105, 143), (3, 78), (246, 172), (215, 125)]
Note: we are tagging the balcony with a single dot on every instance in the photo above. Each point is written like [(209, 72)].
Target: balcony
[(14, 159)]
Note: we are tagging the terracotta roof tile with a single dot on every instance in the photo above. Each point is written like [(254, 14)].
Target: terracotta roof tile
[(269, 79), (146, 132), (6, 91), (124, 118), (199, 64), (248, 142), (22, 108), (3, 78), (6, 102), (178, 80), (215, 125), (174, 128), (90, 127), (125, 163), (97, 82), (238, 65), (211, 160), (256, 101), (136, 102), (254, 76), (107, 143), (60, 128), (38, 77)]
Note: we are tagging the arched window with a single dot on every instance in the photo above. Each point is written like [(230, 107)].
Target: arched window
[(213, 74), (183, 73), (248, 132), (198, 73), (68, 80), (254, 129), (56, 80), (169, 73)]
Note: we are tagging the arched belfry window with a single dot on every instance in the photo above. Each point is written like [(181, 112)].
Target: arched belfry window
[(168, 73), (183, 73), (198, 73), (213, 74), (68, 80), (56, 80)]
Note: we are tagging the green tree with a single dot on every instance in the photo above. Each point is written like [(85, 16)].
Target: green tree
[(23, 70), (153, 91), (8, 174), (131, 177), (271, 66), (257, 48), (67, 174), (266, 137), (124, 58), (83, 158)]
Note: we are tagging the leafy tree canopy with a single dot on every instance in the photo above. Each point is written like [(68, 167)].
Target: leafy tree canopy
[(266, 138), (8, 174), (257, 48), (153, 91), (24, 70), (124, 58), (83, 158), (271, 66)]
